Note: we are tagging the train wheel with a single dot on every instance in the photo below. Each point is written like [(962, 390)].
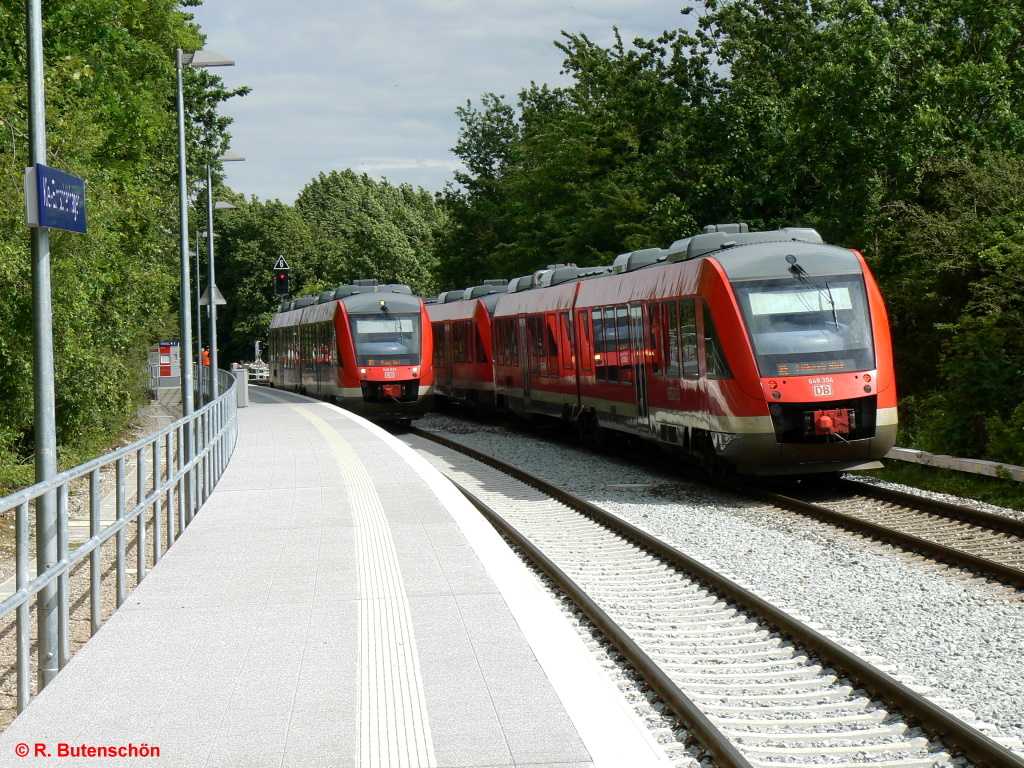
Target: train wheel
[(588, 426)]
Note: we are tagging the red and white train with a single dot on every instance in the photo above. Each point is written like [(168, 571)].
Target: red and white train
[(365, 346), (763, 352)]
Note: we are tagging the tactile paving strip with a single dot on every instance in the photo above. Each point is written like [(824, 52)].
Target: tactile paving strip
[(394, 731)]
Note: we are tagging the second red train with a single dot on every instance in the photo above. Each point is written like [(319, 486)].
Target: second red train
[(756, 352)]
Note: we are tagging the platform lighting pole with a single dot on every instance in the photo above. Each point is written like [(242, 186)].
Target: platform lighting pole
[(199, 311), (45, 409), (212, 288), (197, 59)]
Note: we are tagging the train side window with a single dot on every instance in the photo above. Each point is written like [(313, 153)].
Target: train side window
[(565, 341), (688, 338), (513, 331), (478, 344), (438, 348), (654, 345), (624, 358), (498, 341), (672, 338), (551, 344), (535, 328), (585, 353), (613, 339), (714, 355), (458, 343), (597, 325)]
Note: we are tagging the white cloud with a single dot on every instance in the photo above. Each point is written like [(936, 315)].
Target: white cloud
[(373, 86)]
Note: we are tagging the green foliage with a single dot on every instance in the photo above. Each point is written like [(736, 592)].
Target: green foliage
[(363, 228), (111, 119), (342, 227), (249, 242)]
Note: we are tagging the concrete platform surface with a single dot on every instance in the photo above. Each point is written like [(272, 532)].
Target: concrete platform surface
[(336, 602)]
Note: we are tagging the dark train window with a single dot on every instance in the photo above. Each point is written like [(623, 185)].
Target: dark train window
[(672, 321), (513, 335), (550, 363), (714, 355), (688, 338), (498, 346), (565, 339), (479, 355), (586, 350), (610, 356), (438, 331)]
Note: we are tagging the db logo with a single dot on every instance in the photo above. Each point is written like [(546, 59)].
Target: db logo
[(389, 374), (823, 390)]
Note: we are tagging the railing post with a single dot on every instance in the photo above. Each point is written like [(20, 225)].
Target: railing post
[(21, 582), (95, 574), (157, 508), (63, 582), (140, 521), (121, 554)]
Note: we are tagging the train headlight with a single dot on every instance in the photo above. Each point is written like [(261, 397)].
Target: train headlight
[(867, 378), (415, 371), (773, 384)]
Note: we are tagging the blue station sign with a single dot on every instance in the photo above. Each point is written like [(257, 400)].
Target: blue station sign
[(54, 199)]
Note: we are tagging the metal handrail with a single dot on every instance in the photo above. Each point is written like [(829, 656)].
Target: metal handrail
[(162, 473)]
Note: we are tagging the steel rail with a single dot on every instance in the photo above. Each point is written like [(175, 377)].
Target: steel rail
[(955, 734), (978, 517), (998, 571), (715, 744)]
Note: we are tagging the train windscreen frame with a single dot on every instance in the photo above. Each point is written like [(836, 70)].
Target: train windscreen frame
[(808, 326), (386, 339)]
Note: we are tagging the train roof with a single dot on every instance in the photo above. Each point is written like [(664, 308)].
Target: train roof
[(361, 296)]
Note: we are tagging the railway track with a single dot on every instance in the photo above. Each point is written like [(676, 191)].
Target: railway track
[(986, 544), (752, 685)]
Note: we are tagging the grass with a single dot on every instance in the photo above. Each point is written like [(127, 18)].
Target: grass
[(1004, 493)]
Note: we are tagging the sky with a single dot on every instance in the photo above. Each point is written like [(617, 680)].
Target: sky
[(373, 85)]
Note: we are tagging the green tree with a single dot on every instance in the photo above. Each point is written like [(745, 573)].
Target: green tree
[(364, 228), (249, 241), (111, 119)]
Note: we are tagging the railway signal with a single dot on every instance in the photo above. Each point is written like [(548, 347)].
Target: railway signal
[(282, 284)]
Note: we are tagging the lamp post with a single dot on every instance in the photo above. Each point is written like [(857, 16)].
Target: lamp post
[(227, 157), (197, 59), (199, 308)]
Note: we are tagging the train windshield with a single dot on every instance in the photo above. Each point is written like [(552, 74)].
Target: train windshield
[(808, 326), (386, 339)]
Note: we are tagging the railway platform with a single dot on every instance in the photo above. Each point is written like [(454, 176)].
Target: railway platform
[(336, 602)]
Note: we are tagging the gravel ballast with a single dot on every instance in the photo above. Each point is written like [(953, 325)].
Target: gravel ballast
[(964, 645)]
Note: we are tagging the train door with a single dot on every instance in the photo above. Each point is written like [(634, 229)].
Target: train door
[(638, 353)]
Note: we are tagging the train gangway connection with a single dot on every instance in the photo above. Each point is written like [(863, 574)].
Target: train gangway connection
[(335, 602)]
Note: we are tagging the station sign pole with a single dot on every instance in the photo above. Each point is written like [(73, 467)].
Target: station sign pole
[(53, 199)]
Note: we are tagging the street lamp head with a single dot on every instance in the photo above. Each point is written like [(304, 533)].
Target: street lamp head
[(221, 205), (230, 157), (206, 59)]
